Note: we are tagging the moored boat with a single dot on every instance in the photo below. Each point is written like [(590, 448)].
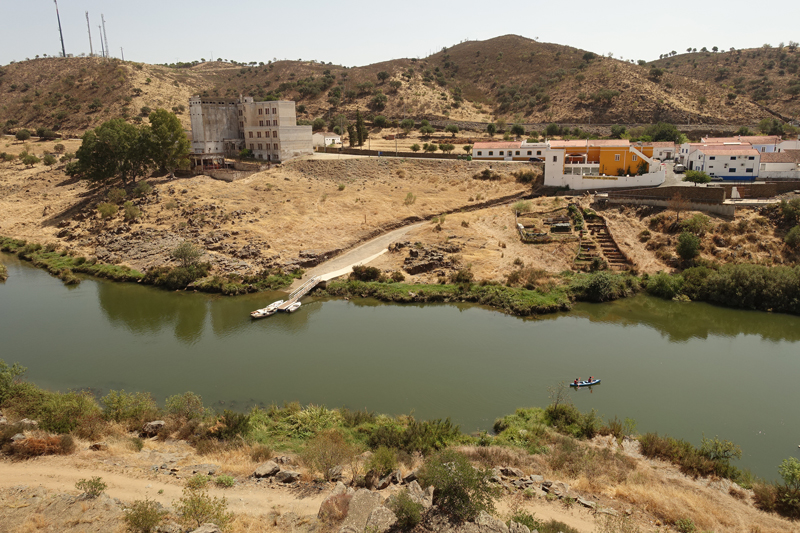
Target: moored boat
[(271, 309), (294, 307)]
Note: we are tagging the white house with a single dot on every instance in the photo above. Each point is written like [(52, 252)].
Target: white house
[(661, 150), (729, 161), (780, 165), (762, 143), (326, 138)]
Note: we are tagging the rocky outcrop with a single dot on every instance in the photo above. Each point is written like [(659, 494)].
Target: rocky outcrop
[(380, 520), (268, 469), (422, 258), (359, 510), (151, 429)]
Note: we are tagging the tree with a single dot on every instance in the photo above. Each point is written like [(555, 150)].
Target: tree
[(447, 148), (771, 126), (318, 124), (29, 160), (617, 131), (380, 121), (379, 100), (407, 125), (491, 129), (415, 147), (383, 76), (361, 129), (186, 253), (720, 450), (430, 147), (116, 148), (452, 128), (467, 148), (688, 246), (518, 130), (395, 85), (501, 124), (169, 148), (663, 132), (352, 134), (677, 203), (426, 131), (145, 111), (790, 472), (23, 135), (696, 176)]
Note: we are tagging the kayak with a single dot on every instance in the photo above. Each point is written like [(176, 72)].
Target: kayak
[(584, 383)]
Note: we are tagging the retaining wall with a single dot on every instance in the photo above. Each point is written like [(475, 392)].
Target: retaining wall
[(717, 209), (761, 190), (708, 195)]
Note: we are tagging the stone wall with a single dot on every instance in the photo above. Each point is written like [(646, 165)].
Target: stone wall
[(717, 209), (761, 190), (708, 195)]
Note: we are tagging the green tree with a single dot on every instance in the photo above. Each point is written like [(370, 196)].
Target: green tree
[(30, 160), (9, 375), (452, 128), (361, 129), (720, 450), (688, 246), (771, 126), (426, 131), (49, 160), (352, 134), (447, 148), (663, 132), (459, 489), (168, 145), (378, 101), (318, 124), (518, 130), (491, 129), (23, 135), (383, 76), (430, 147), (790, 472), (467, 148), (415, 147), (186, 253), (407, 125), (617, 131), (116, 148), (395, 85), (380, 121), (696, 176)]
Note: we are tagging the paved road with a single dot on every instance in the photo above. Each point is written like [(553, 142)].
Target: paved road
[(366, 252)]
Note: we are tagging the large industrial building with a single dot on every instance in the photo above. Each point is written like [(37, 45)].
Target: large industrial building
[(223, 127)]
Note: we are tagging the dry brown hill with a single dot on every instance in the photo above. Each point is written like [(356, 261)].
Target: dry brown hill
[(769, 76), (512, 77)]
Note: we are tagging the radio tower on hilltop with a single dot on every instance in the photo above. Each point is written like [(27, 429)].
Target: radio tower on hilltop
[(88, 27), (105, 35), (61, 33)]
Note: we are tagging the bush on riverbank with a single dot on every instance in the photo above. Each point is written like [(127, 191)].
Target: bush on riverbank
[(3, 272)]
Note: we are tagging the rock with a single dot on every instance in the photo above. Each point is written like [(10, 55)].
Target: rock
[(516, 527), (535, 478), (385, 482), (485, 523), (334, 508), (207, 528), (361, 506), (417, 495), (335, 473), (287, 476), (18, 437), (151, 429), (283, 460), (512, 472), (205, 469), (29, 423), (3, 420), (410, 477), (586, 503), (339, 488), (380, 520), (267, 469), (98, 447), (557, 488)]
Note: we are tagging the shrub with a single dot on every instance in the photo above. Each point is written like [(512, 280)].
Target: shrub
[(410, 199), (59, 148), (407, 511), (260, 453), (664, 286), (685, 525), (525, 176), (420, 437), (186, 253), (232, 425), (326, 451), (116, 196), (23, 135), (187, 406), (697, 224), (63, 413), (365, 273), (459, 489), (522, 207), (49, 160), (383, 461), (225, 481), (91, 487), (131, 212), (196, 507), (29, 159), (792, 238), (790, 211), (526, 519), (688, 246), (144, 516), (107, 210), (142, 189), (602, 286), (132, 409), (36, 447), (398, 276), (8, 377)]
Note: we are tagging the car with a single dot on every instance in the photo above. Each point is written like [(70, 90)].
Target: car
[(535, 159), (679, 168)]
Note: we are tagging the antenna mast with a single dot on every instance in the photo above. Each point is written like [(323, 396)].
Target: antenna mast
[(88, 27), (103, 50), (105, 35), (61, 33)]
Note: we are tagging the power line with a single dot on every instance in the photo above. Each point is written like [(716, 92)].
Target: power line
[(61, 33)]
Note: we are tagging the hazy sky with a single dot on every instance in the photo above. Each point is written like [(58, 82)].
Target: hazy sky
[(358, 33)]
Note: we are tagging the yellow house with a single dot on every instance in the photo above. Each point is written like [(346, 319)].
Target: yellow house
[(613, 156)]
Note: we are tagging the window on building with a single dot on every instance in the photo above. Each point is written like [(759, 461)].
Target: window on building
[(258, 134), (732, 169), (251, 146), (529, 152), (555, 159), (260, 111), (517, 152), (274, 122), (763, 148), (275, 146), (274, 110), (250, 134), (259, 146), (616, 157), (500, 152), (491, 152), (733, 158), (274, 133), (751, 158), (260, 122), (241, 124), (633, 158), (538, 152), (240, 112), (711, 158), (749, 170)]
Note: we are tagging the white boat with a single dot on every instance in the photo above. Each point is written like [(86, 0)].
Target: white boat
[(294, 307), (271, 309)]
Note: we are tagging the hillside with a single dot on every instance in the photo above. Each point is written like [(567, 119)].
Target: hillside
[(768, 76), (509, 77)]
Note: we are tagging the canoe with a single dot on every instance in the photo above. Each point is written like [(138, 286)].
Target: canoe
[(294, 307), (584, 383), (269, 310)]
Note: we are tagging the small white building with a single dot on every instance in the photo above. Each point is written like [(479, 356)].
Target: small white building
[(762, 143), (780, 165), (729, 161), (326, 138), (661, 150)]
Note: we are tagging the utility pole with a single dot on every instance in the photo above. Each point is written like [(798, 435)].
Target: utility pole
[(103, 50), (105, 35), (88, 27), (61, 33), (121, 51)]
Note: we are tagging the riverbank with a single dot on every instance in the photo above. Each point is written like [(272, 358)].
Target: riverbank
[(579, 456)]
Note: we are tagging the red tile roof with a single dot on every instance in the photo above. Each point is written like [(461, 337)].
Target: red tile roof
[(496, 145), (592, 143), (789, 156), (751, 139), (733, 150)]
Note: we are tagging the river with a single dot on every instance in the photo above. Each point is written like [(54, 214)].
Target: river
[(684, 369)]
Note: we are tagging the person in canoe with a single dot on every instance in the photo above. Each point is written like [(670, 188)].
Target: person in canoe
[(576, 382)]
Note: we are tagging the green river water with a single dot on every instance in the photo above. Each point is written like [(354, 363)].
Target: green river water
[(683, 369)]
